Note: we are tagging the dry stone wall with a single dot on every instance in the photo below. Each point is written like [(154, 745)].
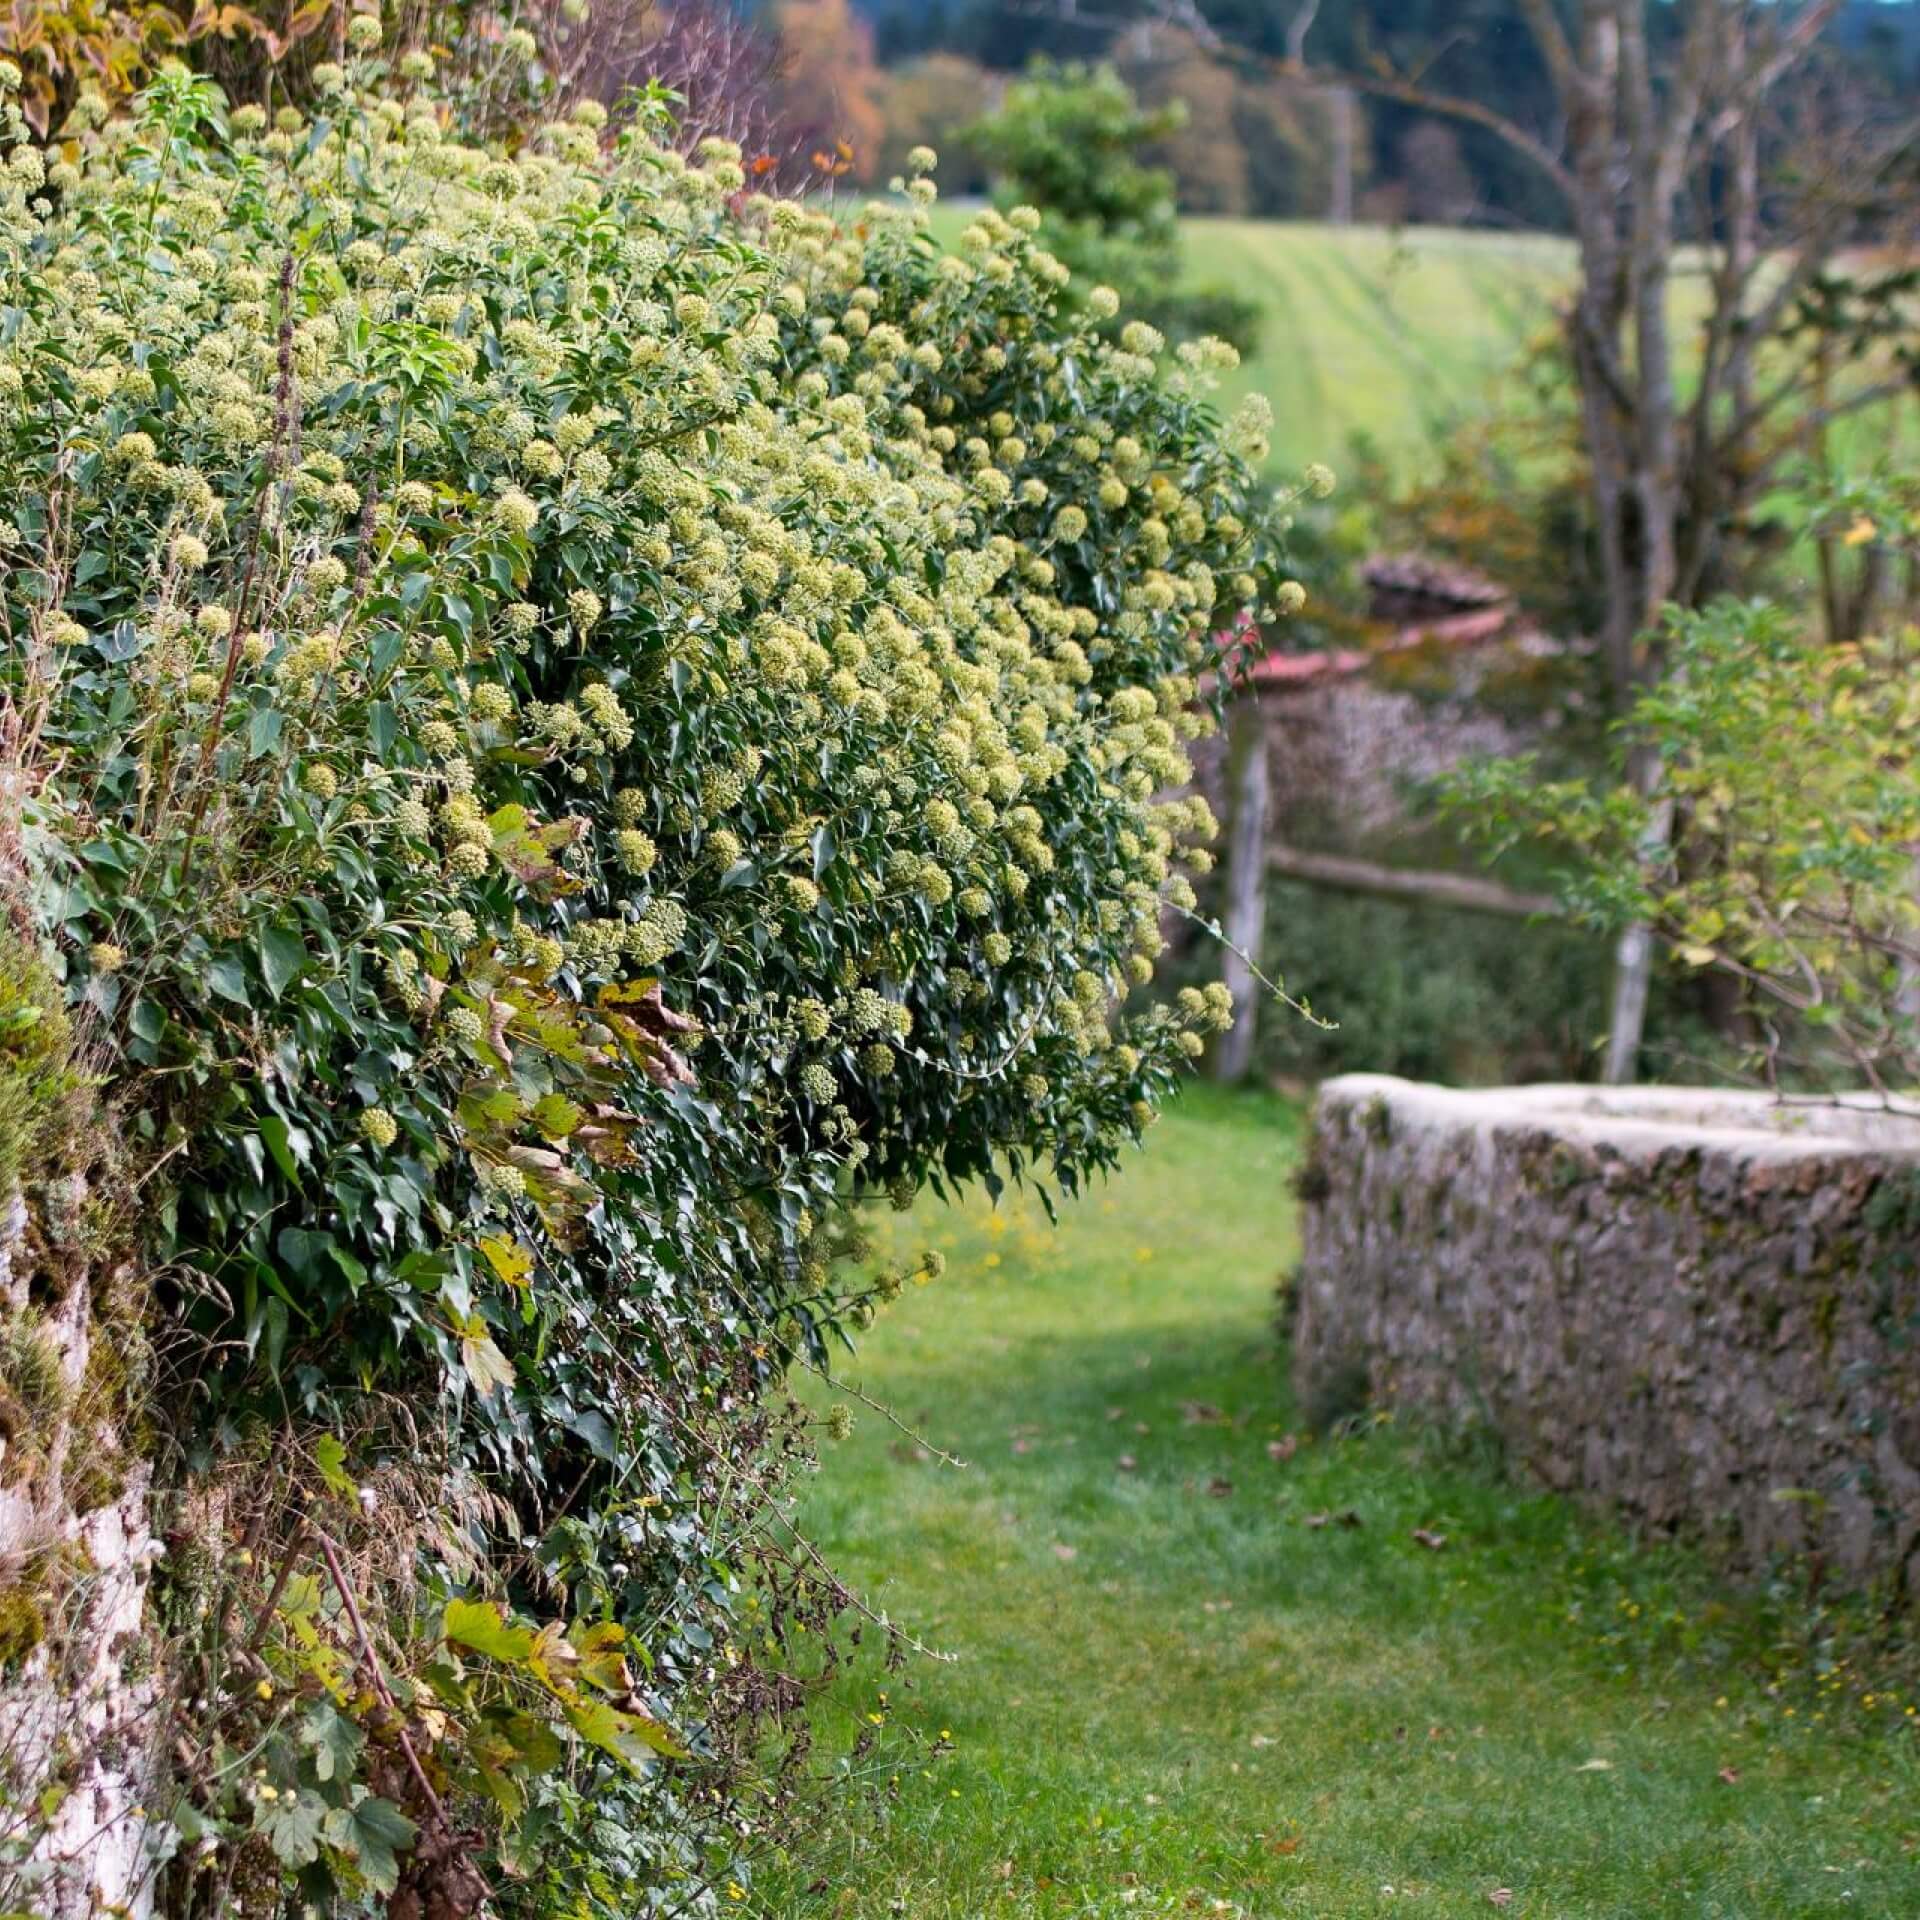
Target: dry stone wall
[(77, 1551), (1703, 1308)]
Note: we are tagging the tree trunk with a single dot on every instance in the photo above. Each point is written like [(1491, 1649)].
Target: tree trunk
[(1246, 910), (1633, 953), (1340, 118)]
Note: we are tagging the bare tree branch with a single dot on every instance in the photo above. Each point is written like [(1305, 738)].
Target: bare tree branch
[(1297, 30)]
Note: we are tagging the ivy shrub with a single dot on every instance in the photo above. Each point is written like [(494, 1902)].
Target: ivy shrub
[(580, 723)]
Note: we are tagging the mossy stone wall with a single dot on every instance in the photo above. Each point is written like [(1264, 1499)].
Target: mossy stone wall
[(1701, 1308)]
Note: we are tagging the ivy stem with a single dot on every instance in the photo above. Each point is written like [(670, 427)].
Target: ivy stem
[(344, 1587), (280, 1580)]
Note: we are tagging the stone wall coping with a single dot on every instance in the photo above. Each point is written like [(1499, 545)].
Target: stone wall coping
[(1646, 1121)]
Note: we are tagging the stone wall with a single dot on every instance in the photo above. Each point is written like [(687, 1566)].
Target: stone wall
[(77, 1551), (1702, 1308)]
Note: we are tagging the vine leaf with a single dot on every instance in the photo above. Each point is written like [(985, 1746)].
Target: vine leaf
[(335, 1741), (330, 1456), (511, 1260), (487, 1367), (480, 1626), (375, 1833), (291, 1824)]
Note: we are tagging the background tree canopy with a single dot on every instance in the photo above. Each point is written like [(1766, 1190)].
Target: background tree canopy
[(1480, 50)]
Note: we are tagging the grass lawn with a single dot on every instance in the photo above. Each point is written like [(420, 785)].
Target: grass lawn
[(1390, 333), (1189, 1675)]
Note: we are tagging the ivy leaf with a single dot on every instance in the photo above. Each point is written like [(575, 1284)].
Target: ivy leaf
[(228, 978), (597, 1431), (288, 1144), (531, 854), (283, 956), (291, 1824)]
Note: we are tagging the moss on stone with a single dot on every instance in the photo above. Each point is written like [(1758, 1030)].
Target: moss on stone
[(41, 1093), (22, 1625)]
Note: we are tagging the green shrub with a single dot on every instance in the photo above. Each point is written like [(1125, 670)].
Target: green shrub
[(582, 731), (1773, 846), (1430, 993), (40, 1089), (1069, 140)]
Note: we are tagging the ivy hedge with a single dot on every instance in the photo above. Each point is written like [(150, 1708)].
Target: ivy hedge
[(572, 724)]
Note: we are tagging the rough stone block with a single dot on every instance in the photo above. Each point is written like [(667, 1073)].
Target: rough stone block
[(1700, 1307)]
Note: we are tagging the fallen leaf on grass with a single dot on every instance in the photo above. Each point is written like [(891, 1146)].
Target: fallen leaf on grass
[(1500, 1897), (1283, 1449), (1126, 1463), (1219, 1487), (1023, 1446), (1287, 1843), (1201, 1413), (1064, 1552), (1116, 1413), (1730, 1775), (1261, 1740), (1347, 1517), (1594, 1766), (1432, 1541)]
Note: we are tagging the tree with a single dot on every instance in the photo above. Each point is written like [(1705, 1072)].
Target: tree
[(1439, 184), (1074, 141), (932, 102), (1795, 766), (829, 85), (1207, 162), (1664, 116)]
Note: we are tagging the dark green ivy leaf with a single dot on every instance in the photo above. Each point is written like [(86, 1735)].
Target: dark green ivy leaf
[(282, 956)]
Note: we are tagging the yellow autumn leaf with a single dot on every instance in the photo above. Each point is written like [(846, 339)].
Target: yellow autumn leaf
[(511, 1260), (486, 1366)]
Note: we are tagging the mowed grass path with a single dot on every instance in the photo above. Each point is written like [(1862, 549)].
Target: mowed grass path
[(1171, 1691)]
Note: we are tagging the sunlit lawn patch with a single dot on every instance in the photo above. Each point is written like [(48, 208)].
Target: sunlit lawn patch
[(1199, 1659)]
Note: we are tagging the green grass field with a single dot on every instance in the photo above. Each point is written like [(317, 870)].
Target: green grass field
[(1394, 334), (1390, 332), (1397, 333), (1200, 1664)]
